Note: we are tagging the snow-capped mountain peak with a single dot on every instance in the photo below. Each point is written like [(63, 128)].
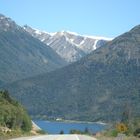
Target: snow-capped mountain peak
[(76, 34), (69, 45)]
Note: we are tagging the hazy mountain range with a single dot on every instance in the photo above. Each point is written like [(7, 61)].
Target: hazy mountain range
[(69, 45), (100, 86)]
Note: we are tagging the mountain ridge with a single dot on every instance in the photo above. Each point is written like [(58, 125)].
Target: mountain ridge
[(69, 45), (106, 80)]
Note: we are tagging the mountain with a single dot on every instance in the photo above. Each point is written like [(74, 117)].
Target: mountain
[(99, 87), (22, 55), (70, 46)]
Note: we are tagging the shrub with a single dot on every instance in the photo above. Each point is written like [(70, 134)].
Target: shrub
[(41, 131), (61, 132), (137, 132)]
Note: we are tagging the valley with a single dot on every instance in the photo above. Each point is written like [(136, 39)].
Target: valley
[(68, 85), (109, 76)]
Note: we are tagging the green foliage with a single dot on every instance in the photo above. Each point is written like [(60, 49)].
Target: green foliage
[(137, 132), (130, 130), (5, 95), (133, 126), (12, 114), (113, 133), (86, 131), (41, 131), (26, 123)]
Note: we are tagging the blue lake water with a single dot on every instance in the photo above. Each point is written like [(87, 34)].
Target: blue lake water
[(55, 127)]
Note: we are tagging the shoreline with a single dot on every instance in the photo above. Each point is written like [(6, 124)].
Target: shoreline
[(75, 121)]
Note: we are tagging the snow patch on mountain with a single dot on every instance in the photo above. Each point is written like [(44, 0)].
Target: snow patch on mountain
[(95, 43), (38, 32), (82, 42), (99, 38)]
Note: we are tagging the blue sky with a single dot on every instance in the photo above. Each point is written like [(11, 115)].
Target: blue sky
[(107, 18)]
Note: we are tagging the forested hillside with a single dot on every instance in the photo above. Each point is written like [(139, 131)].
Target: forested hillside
[(99, 87), (13, 117)]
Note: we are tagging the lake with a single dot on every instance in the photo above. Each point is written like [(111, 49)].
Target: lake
[(53, 127)]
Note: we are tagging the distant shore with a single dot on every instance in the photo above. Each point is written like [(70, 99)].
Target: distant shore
[(76, 121)]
